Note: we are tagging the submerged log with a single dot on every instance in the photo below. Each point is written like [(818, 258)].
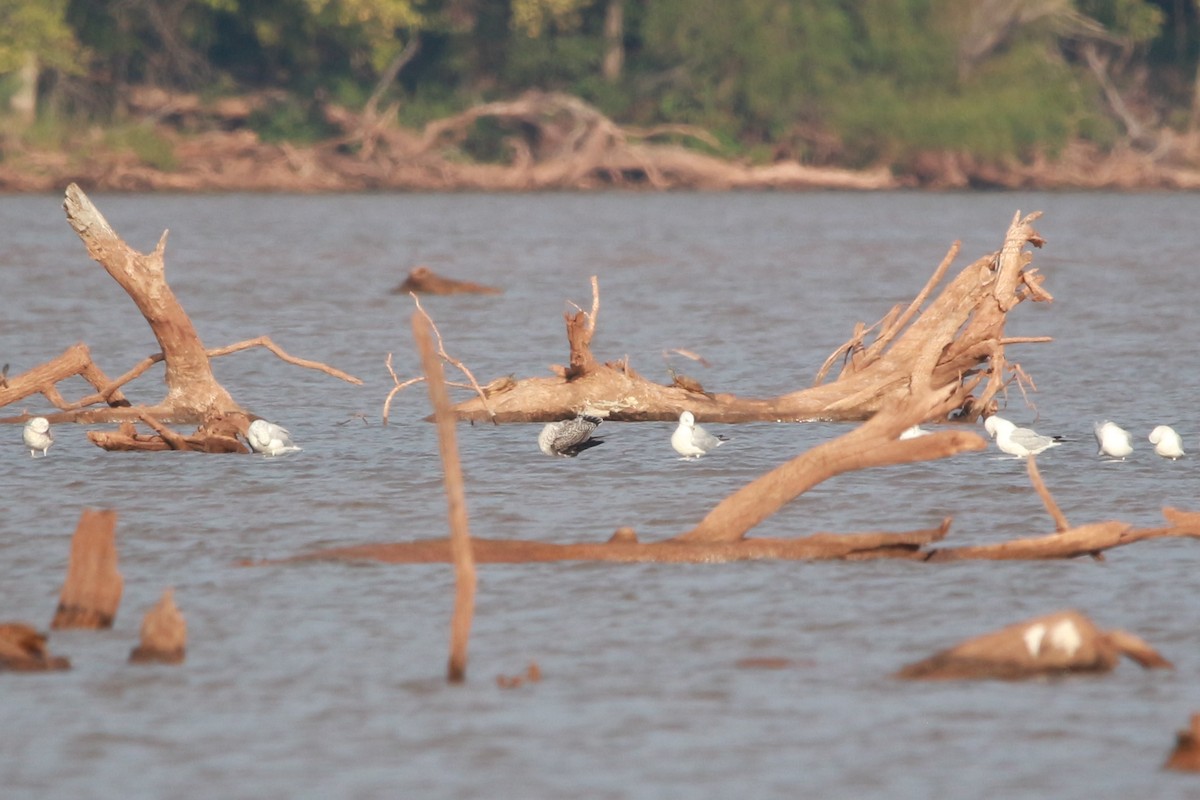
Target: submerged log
[(1186, 755), (92, 590), (626, 549), (423, 280), (953, 341), (163, 634), (1054, 644), (23, 649)]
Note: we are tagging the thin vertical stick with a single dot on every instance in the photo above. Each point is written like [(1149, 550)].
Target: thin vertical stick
[(460, 536), (1035, 477)]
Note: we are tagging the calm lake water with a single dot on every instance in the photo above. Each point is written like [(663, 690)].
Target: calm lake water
[(326, 679)]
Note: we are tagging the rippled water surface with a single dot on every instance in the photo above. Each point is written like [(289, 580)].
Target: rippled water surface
[(326, 679)]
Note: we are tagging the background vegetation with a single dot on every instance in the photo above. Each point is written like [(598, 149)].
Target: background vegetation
[(848, 82)]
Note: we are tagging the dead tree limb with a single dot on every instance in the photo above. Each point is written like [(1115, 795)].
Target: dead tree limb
[(456, 502), (193, 392), (955, 342)]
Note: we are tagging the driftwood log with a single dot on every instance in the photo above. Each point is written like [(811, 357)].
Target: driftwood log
[(193, 393), (957, 342), (1054, 644)]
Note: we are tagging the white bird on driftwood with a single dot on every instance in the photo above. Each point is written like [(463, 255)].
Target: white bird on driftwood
[(569, 437), (269, 439), (1166, 442), (1019, 442), (692, 441), (1114, 440), (37, 436)]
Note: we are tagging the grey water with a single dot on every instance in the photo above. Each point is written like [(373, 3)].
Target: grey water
[(327, 679)]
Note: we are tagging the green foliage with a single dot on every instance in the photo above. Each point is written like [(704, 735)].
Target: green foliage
[(1138, 21), (863, 81), (290, 120), (36, 28)]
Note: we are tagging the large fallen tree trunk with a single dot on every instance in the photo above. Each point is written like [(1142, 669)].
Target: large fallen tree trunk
[(193, 393), (954, 343)]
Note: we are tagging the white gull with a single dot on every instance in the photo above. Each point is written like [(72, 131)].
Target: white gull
[(37, 436), (692, 441), (1166, 442), (269, 439), (1114, 440), (1019, 442)]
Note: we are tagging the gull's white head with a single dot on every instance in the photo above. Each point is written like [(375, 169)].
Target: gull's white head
[(38, 424), (994, 424), (688, 419)]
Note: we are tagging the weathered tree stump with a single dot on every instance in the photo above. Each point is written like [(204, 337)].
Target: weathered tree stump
[(163, 634), (1054, 644), (92, 590), (23, 649)]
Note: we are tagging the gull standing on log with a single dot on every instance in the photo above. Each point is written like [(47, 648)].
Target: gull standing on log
[(692, 441), (1114, 440), (269, 439), (1166, 442), (1019, 442), (569, 437), (37, 436)]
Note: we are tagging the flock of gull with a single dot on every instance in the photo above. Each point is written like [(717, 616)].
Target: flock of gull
[(1113, 440), (571, 437)]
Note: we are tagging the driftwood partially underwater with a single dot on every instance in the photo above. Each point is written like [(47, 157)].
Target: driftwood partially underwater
[(955, 342), (193, 393), (903, 378), (1052, 644)]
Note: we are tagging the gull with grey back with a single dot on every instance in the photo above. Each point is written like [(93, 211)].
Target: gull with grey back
[(1017, 441), (692, 441)]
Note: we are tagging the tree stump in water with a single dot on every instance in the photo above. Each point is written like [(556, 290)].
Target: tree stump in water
[(163, 634), (92, 590)]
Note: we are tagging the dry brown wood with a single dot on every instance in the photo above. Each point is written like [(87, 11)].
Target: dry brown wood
[(163, 634), (956, 341), (626, 549), (23, 649), (456, 501), (1057, 643), (75, 360), (193, 393), (1186, 755), (1035, 477), (92, 590)]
